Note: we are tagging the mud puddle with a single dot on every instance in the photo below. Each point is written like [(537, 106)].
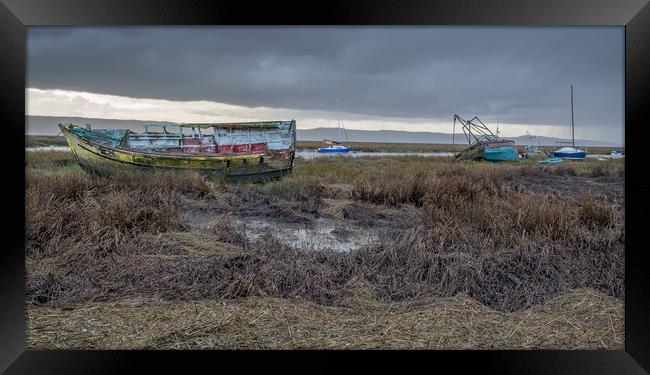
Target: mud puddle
[(322, 234)]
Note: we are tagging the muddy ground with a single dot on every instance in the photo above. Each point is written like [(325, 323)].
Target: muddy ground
[(345, 224)]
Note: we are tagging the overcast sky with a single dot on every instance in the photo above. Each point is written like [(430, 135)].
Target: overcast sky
[(408, 78)]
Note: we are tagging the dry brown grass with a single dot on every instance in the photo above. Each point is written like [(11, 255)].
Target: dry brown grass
[(507, 247), (483, 235), (70, 209), (579, 319), (475, 231), (50, 160)]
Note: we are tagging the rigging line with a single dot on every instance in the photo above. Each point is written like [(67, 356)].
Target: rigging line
[(57, 134), (341, 125), (338, 118), (453, 133), (345, 131)]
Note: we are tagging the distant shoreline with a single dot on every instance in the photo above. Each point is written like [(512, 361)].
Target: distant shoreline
[(51, 140)]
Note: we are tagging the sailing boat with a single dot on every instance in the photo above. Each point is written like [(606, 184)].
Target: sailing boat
[(532, 150), (335, 146), (570, 152)]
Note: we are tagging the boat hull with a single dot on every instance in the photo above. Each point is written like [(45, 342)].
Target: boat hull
[(106, 160), (570, 155), (500, 153), (333, 150)]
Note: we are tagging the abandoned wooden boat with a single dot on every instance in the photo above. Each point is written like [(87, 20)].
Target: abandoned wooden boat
[(241, 151)]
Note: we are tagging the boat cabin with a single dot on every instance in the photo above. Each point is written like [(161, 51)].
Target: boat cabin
[(211, 139)]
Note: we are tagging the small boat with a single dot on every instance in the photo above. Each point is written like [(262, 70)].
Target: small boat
[(335, 147), (533, 152), (616, 153), (500, 150), (569, 153), (550, 161), (250, 151)]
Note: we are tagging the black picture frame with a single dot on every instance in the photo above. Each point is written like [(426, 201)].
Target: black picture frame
[(16, 15)]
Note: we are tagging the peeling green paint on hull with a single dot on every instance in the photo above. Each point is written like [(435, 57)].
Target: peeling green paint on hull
[(104, 160)]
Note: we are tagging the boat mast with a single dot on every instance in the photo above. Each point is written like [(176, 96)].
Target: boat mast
[(338, 117), (497, 124), (573, 140), (453, 133)]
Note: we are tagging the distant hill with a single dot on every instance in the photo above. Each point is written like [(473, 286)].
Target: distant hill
[(398, 136), (47, 125)]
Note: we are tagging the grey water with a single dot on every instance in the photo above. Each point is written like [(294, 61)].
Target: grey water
[(310, 154)]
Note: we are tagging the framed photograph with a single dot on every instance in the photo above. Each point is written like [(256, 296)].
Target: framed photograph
[(460, 180)]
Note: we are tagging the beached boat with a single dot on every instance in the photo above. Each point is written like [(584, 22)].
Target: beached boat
[(569, 153), (244, 151), (533, 152), (500, 150), (483, 144)]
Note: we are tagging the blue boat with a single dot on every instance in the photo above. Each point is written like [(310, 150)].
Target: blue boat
[(483, 144), (616, 153), (569, 153), (334, 149), (551, 161), (500, 150)]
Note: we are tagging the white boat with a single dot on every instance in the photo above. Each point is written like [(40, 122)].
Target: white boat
[(569, 153)]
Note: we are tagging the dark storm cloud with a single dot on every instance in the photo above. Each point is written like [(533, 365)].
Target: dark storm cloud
[(522, 74)]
